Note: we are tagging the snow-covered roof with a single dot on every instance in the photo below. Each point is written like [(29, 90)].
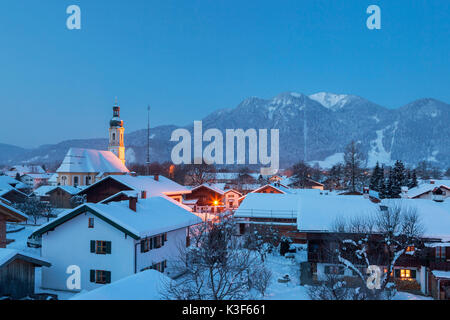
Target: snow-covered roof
[(154, 215), (318, 213), (435, 216), (22, 169), (145, 285), (276, 186), (441, 274), (147, 183), (427, 187), (17, 215), (269, 205), (42, 190), (69, 189), (89, 160), (227, 175), (8, 183), (38, 175), (210, 186), (7, 255)]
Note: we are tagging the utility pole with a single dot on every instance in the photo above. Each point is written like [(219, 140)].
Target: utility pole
[(148, 141)]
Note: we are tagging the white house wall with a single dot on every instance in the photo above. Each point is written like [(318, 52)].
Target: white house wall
[(69, 244)]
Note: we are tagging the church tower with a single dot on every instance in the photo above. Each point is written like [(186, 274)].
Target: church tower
[(116, 129)]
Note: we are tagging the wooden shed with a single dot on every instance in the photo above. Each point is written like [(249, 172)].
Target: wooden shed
[(17, 273), (8, 214)]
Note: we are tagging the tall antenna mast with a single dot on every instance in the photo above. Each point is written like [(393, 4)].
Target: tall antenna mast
[(148, 141)]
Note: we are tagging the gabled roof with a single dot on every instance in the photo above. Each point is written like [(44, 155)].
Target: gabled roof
[(425, 188), (68, 189), (9, 255), (278, 187), (152, 216), (232, 190), (211, 187), (12, 214), (145, 183), (92, 161), (42, 190), (7, 183)]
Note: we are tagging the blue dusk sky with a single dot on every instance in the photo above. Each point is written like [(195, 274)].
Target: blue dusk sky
[(187, 58)]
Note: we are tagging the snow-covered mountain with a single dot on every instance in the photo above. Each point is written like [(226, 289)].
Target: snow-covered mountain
[(312, 128)]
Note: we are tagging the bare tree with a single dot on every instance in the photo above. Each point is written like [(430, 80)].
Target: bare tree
[(35, 209), (214, 267), (198, 174), (353, 161), (261, 239)]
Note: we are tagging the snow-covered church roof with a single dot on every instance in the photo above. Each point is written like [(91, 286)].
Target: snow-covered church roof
[(89, 160)]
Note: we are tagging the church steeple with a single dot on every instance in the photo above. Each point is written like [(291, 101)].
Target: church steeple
[(116, 129)]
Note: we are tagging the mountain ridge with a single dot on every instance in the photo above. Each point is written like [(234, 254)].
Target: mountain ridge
[(312, 128)]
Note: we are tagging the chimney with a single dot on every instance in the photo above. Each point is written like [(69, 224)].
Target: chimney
[(133, 203), (156, 177), (143, 194)]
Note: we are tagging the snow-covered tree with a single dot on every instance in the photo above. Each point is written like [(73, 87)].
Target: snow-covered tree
[(378, 240), (214, 267)]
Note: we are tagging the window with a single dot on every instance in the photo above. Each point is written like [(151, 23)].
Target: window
[(334, 270), (75, 181), (440, 253), (156, 242), (405, 274), (410, 249), (91, 222), (101, 247), (100, 276), (114, 137)]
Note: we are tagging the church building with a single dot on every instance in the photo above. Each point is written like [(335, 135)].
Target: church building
[(83, 167)]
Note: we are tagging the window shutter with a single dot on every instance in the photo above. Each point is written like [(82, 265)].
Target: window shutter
[(151, 243), (397, 273), (108, 276), (108, 247), (93, 246), (92, 275), (142, 246), (155, 242), (162, 240), (413, 274)]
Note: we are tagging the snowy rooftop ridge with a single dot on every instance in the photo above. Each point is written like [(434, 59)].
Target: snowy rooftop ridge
[(90, 160)]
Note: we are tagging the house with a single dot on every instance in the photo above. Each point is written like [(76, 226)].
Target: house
[(8, 214), (317, 229), (41, 193), (231, 199), (115, 240), (17, 270), (13, 195), (276, 188), (83, 167), (35, 180), (433, 190), (145, 285), (144, 186), (61, 196), (208, 197)]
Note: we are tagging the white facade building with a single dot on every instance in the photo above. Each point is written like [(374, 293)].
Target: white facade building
[(109, 242)]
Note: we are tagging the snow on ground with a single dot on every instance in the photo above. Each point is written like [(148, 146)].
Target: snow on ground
[(330, 161), (280, 266), (409, 296)]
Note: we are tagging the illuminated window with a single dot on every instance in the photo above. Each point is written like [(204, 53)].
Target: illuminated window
[(405, 273), (410, 249)]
